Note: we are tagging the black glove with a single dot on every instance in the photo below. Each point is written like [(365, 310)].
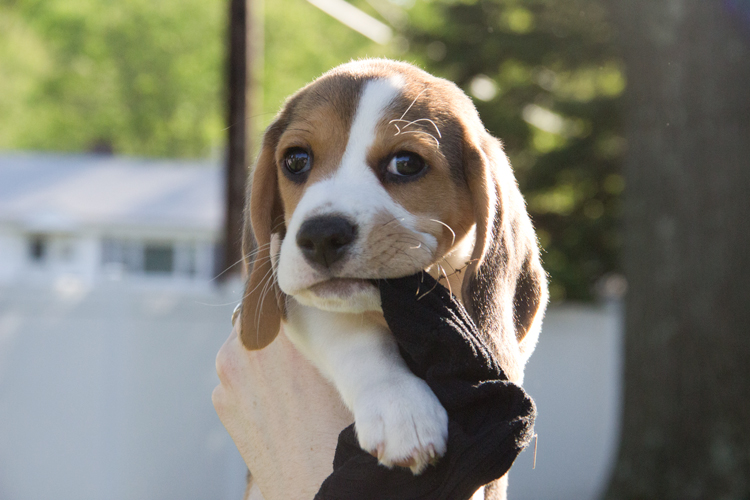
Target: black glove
[(491, 420)]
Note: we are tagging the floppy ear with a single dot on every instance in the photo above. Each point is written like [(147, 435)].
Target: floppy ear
[(263, 304), (505, 287)]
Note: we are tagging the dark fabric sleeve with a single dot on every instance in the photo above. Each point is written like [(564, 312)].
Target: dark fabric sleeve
[(490, 419)]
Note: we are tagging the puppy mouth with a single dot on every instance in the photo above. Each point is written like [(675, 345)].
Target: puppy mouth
[(342, 287)]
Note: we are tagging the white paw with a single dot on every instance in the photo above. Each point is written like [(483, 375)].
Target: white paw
[(401, 422)]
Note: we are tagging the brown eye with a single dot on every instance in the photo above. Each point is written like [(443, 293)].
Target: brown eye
[(297, 161), (405, 164)]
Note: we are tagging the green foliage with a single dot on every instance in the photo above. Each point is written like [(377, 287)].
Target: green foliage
[(147, 77), (301, 43), (143, 76), (546, 81)]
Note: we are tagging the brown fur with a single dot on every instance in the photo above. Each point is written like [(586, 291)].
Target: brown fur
[(470, 183)]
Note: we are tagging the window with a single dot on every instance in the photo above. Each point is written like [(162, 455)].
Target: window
[(158, 258), (149, 257), (38, 248)]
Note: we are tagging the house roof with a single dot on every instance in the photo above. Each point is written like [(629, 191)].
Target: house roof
[(63, 192)]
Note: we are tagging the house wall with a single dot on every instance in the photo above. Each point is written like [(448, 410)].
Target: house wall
[(77, 255), (65, 254), (12, 255)]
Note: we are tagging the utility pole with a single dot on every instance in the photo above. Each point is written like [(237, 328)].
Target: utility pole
[(244, 36), (238, 150)]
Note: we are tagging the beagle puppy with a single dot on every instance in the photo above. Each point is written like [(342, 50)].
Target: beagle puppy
[(379, 170)]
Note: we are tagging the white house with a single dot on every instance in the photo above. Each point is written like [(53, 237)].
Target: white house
[(88, 218)]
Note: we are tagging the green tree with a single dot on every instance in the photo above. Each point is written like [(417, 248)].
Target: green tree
[(148, 79), (145, 77), (546, 80), (300, 43)]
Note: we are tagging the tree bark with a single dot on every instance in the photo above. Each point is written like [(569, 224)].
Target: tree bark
[(686, 423)]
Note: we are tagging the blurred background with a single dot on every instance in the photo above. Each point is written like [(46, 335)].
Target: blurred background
[(125, 132)]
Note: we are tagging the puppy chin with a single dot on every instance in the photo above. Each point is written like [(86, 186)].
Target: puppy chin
[(342, 296)]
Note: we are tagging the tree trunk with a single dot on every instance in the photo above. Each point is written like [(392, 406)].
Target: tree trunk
[(686, 422)]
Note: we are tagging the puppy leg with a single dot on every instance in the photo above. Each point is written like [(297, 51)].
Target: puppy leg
[(397, 416)]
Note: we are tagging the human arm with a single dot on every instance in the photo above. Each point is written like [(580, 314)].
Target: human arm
[(281, 413)]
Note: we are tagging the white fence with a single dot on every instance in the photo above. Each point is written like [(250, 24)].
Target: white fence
[(106, 394), (574, 377)]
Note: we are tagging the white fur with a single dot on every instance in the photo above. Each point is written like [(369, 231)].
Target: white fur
[(479, 494), (355, 192), (396, 414)]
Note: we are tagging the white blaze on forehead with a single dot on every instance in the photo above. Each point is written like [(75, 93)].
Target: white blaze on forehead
[(352, 191), (376, 96)]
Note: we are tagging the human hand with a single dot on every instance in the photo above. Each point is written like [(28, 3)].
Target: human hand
[(281, 413)]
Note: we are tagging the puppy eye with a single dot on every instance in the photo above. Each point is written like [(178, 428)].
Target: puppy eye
[(405, 164), (297, 161)]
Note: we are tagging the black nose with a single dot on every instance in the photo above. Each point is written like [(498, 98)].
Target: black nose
[(324, 240)]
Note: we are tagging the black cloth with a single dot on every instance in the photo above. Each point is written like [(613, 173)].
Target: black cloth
[(490, 419)]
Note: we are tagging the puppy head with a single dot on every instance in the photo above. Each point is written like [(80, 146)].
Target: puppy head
[(376, 170)]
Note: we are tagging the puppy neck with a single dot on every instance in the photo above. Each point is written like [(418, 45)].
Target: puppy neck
[(454, 264)]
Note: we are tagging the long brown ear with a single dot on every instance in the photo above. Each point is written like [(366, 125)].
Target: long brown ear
[(505, 287), (263, 304)]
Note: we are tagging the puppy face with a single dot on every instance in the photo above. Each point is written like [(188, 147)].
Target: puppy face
[(369, 187), (380, 170)]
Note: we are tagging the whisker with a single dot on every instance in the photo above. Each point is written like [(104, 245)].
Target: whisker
[(251, 254), (422, 132), (401, 130), (272, 271), (447, 281), (234, 302), (247, 294), (445, 260), (268, 286), (420, 244), (414, 261), (413, 102), (413, 122), (449, 229), (460, 269), (428, 291), (261, 260), (257, 250), (421, 280), (226, 270), (395, 219)]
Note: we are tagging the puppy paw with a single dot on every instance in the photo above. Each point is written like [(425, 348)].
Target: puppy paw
[(402, 423)]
